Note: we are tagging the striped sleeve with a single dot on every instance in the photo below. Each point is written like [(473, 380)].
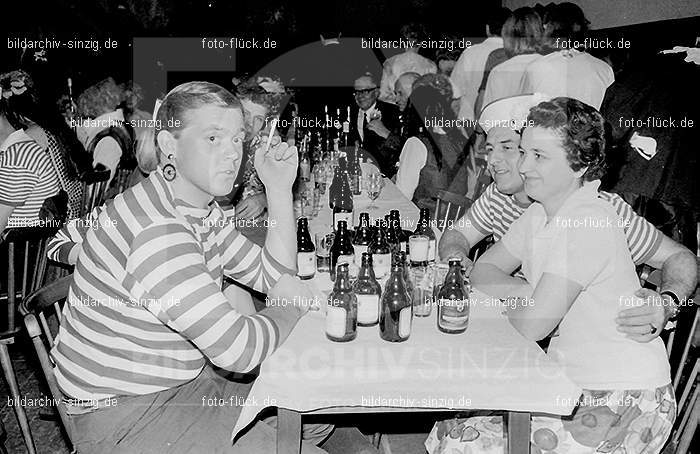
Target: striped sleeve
[(72, 233), (249, 264), (166, 273), (16, 184), (643, 239), (479, 213)]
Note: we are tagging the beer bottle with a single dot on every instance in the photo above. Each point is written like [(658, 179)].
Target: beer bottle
[(342, 250), (408, 280), (381, 253), (342, 206), (368, 292), (396, 311), (390, 232), (453, 301), (306, 252), (341, 314), (304, 162), (362, 238), (424, 228), (402, 240)]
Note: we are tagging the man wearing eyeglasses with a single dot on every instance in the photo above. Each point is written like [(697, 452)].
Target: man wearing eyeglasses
[(376, 125)]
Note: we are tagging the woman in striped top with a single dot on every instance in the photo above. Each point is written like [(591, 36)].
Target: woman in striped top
[(146, 314)]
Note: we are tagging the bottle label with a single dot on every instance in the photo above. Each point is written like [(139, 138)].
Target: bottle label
[(346, 127), (359, 249), (336, 321), (405, 322), (403, 246), (431, 250), (306, 263), (349, 259), (347, 217), (367, 309), (304, 169), (381, 264), (453, 314)]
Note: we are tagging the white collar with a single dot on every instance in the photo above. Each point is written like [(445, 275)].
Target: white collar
[(15, 137), (371, 110)]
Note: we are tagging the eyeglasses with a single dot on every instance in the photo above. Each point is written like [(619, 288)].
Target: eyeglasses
[(366, 91)]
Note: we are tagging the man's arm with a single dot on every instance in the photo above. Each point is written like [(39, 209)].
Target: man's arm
[(679, 267), (468, 231)]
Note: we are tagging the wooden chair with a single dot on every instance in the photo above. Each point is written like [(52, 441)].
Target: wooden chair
[(449, 208), (26, 258), (38, 310), (94, 187)]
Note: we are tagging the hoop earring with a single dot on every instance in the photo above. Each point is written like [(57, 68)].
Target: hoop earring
[(169, 171)]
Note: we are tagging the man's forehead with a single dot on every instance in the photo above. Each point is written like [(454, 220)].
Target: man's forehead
[(365, 82), (499, 134)]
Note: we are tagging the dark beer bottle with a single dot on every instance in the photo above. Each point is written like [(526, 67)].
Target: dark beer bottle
[(401, 238), (368, 292), (381, 254), (453, 301), (408, 280), (424, 228), (341, 314), (396, 310), (342, 207), (362, 239), (390, 232), (306, 252), (342, 250)]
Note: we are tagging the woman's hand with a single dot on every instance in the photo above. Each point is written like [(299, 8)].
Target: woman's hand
[(277, 168)]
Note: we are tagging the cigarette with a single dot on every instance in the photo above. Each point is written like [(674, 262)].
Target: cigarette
[(272, 133)]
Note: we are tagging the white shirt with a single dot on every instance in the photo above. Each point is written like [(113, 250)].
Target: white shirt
[(505, 79), (585, 243), (367, 113), (399, 64), (107, 152), (413, 157), (569, 73), (468, 72)]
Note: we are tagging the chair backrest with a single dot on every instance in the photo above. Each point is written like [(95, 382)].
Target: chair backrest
[(94, 186), (42, 316), (26, 259), (449, 208)]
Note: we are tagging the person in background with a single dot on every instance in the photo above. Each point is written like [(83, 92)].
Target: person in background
[(407, 61), (506, 200), (150, 264), (469, 70), (98, 110), (446, 59), (376, 124), (432, 155), (566, 71), (27, 177), (47, 128), (522, 38), (262, 97), (403, 88)]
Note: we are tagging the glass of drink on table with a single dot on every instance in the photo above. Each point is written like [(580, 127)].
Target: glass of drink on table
[(373, 184), (323, 242)]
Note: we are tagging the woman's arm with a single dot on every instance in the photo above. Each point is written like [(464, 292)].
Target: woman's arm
[(413, 158), (492, 274)]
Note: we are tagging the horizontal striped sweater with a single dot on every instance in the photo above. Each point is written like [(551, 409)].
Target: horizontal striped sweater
[(145, 307)]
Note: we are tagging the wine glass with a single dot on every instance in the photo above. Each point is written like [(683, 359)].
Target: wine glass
[(373, 184)]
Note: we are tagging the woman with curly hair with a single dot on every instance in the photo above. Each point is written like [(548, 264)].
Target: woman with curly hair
[(579, 274), (434, 152)]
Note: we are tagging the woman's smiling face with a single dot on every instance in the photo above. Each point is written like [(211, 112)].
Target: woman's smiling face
[(544, 165), (209, 148)]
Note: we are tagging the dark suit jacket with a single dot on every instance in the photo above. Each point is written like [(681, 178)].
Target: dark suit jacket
[(385, 151)]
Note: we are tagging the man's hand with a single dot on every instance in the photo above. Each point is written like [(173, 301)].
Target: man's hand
[(378, 128), (251, 207), (290, 291), (277, 168), (637, 322)]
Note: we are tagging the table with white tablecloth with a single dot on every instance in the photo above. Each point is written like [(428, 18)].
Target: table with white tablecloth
[(488, 367)]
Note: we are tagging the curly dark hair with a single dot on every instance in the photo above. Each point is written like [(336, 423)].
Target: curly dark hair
[(582, 131)]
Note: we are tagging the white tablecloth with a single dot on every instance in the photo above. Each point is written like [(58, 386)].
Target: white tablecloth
[(490, 367)]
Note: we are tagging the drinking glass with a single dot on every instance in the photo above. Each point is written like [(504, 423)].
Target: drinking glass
[(324, 242), (422, 290), (373, 184)]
